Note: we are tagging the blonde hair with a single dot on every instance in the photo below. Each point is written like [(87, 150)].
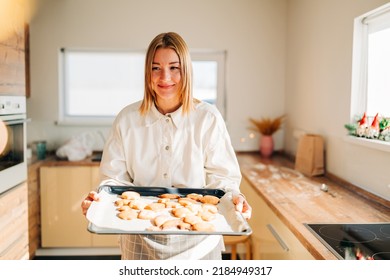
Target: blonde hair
[(173, 41)]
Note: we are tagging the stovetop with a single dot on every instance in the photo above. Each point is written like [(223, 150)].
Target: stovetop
[(355, 241)]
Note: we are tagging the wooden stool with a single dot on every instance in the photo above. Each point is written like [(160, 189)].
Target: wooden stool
[(233, 241)]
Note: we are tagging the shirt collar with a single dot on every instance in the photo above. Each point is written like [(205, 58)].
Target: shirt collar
[(154, 115)]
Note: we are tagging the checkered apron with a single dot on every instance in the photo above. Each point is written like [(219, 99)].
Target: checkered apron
[(165, 247)]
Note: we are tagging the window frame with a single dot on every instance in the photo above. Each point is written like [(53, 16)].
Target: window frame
[(359, 76), (196, 55), (360, 61)]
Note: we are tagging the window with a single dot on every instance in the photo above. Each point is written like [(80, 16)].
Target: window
[(96, 85), (371, 64)]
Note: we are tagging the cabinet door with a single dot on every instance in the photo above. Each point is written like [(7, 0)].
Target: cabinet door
[(272, 240), (100, 240), (62, 190), (14, 224)]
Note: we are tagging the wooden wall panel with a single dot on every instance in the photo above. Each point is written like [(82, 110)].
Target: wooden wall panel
[(12, 64)]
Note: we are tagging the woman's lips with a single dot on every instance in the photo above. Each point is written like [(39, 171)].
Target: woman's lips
[(165, 86)]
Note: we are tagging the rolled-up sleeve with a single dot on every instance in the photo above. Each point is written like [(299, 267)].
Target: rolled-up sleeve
[(113, 167), (221, 166)]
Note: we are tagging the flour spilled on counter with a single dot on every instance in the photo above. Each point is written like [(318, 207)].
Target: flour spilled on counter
[(270, 175)]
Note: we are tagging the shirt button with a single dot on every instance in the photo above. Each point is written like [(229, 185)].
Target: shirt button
[(167, 120), (165, 175), (167, 148)]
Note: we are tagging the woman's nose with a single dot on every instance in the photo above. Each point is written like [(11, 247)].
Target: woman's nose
[(165, 75)]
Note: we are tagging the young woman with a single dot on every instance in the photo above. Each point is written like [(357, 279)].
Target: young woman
[(170, 139)]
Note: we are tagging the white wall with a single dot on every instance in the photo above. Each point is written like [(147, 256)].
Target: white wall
[(290, 56), (318, 87), (251, 31)]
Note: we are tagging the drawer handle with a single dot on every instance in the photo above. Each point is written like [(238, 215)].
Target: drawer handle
[(278, 238)]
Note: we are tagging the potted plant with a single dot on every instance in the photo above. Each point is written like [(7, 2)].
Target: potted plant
[(266, 127)]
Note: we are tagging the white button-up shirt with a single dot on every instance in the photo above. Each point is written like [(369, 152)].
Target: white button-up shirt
[(185, 151), (191, 151)]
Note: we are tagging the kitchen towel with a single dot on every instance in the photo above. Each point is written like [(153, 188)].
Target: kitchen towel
[(77, 148)]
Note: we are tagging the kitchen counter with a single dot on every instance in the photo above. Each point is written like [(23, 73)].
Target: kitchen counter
[(34, 197), (297, 199), (52, 160), (294, 198)]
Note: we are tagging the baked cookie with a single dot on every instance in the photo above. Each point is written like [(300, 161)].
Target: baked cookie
[(184, 201), (181, 212), (146, 214), (170, 224), (123, 208), (130, 195), (163, 200), (184, 226), (172, 204), (155, 206), (210, 199), (169, 195), (192, 219), (121, 202), (130, 214), (206, 216), (138, 204), (210, 208), (195, 196), (203, 226), (194, 207), (160, 220)]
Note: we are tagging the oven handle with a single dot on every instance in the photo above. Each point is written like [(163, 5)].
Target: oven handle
[(19, 121)]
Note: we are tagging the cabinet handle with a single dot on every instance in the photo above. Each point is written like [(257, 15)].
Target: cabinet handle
[(278, 238)]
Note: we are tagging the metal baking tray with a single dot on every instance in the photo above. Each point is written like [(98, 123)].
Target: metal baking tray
[(103, 219)]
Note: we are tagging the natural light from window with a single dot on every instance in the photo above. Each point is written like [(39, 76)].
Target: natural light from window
[(107, 81), (378, 74)]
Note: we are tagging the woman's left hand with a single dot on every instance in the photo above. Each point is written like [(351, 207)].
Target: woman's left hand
[(242, 206)]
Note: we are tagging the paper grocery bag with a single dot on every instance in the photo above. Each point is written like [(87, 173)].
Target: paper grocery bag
[(309, 159)]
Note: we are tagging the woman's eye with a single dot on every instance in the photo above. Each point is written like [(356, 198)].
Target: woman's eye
[(174, 68), (155, 68)]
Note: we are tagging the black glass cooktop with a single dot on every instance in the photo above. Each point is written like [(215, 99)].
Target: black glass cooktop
[(355, 241)]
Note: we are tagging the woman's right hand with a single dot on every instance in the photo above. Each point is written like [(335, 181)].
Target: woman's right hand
[(92, 196)]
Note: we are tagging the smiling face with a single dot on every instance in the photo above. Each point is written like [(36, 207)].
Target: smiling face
[(168, 75), (166, 79)]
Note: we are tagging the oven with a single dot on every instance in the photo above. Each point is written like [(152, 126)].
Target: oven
[(13, 166)]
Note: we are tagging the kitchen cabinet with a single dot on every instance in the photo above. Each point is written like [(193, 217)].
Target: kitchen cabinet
[(62, 190), (34, 213), (14, 224), (271, 239)]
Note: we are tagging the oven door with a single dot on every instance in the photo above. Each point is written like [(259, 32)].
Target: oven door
[(13, 166)]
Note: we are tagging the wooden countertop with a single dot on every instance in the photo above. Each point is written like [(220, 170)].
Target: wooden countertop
[(52, 160), (297, 199)]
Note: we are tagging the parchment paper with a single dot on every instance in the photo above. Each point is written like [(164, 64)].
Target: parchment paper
[(103, 219)]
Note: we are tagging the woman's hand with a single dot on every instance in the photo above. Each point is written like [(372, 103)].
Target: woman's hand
[(242, 206), (92, 196)]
